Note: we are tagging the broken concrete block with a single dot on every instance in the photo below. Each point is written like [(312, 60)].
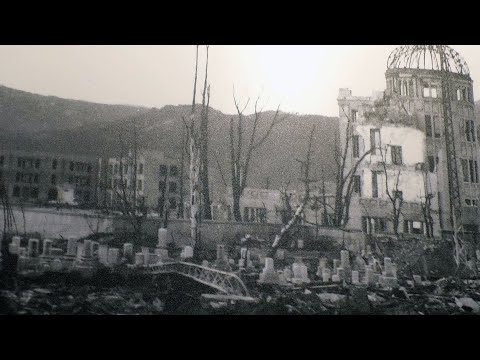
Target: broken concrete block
[(336, 278), (468, 304), (417, 280), (389, 281), (387, 264)]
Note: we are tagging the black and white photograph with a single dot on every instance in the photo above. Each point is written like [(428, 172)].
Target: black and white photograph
[(239, 180)]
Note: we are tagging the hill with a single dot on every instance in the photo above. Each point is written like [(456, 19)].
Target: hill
[(47, 123)]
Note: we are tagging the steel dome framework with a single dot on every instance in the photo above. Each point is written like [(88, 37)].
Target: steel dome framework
[(428, 57)]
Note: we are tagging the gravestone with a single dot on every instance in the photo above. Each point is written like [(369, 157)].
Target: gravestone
[(79, 251), (355, 277), (162, 254), (33, 247), (47, 247), (127, 250), (139, 259), (369, 275), (300, 243), (57, 265), (72, 247), (326, 275), (17, 240), (13, 249), (287, 273), (162, 238), (103, 254), (113, 256), (188, 252), (336, 264), (87, 248), (56, 252), (387, 264), (300, 272), (146, 255), (269, 275)]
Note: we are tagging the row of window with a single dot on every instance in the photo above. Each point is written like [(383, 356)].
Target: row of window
[(25, 192), (378, 225), (117, 184), (172, 186), (255, 215), (26, 178), (172, 204), (395, 150), (28, 163), (79, 166), (405, 87), (163, 169), (470, 170), (77, 180), (116, 168)]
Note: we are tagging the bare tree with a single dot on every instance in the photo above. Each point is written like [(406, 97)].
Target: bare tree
[(240, 158), (305, 178), (126, 192), (392, 191), (344, 177), (206, 203)]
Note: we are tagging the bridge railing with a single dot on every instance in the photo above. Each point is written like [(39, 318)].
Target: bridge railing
[(223, 281)]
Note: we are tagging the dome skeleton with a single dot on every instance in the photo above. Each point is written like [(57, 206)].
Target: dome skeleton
[(427, 57)]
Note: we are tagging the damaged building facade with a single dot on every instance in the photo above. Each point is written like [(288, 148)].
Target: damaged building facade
[(41, 178), (407, 172)]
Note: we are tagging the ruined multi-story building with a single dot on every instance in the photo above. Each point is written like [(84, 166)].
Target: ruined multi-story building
[(414, 147), (121, 181), (41, 178)]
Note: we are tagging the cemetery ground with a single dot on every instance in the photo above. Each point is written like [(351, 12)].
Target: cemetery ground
[(114, 291)]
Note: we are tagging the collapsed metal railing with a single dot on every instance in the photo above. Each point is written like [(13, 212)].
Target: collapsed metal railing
[(223, 281)]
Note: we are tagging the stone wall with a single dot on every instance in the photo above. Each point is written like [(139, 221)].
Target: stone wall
[(53, 223)]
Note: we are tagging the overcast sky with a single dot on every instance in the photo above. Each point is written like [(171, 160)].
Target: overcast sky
[(303, 79)]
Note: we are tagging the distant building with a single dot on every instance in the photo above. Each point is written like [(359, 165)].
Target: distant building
[(121, 180), (269, 206), (37, 177)]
